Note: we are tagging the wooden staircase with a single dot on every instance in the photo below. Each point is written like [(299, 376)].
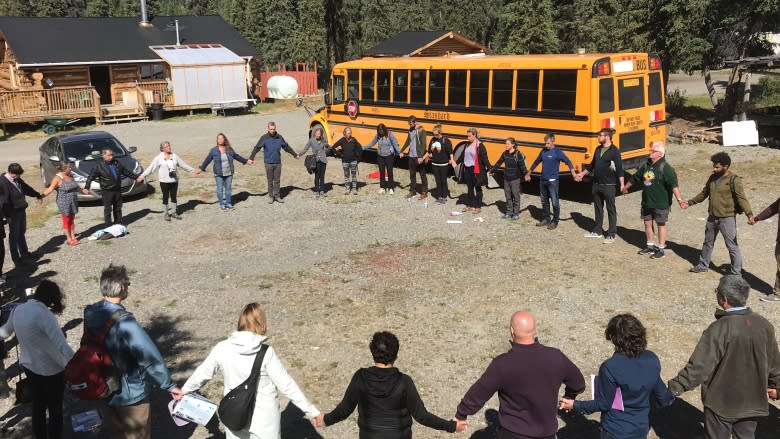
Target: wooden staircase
[(131, 109)]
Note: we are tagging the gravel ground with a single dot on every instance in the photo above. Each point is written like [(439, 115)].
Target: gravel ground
[(331, 272)]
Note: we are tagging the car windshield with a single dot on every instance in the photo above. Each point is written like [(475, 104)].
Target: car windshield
[(90, 149)]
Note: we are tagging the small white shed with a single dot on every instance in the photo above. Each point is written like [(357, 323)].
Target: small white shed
[(205, 74)]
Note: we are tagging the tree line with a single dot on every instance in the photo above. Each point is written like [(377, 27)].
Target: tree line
[(688, 34)]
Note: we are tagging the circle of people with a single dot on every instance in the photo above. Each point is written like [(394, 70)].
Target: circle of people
[(527, 378)]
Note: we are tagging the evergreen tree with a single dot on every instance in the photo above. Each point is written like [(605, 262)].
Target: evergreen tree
[(526, 26), (308, 40), (15, 8), (98, 8)]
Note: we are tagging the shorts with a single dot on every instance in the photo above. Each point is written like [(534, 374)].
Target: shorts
[(659, 215)]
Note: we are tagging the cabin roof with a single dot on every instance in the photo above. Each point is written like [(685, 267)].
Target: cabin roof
[(413, 43), (40, 41)]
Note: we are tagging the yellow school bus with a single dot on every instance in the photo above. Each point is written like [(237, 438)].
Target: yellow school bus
[(522, 96)]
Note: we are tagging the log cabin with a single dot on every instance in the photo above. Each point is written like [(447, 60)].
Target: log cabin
[(115, 68)]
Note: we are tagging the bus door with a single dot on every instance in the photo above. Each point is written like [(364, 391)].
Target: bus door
[(631, 115)]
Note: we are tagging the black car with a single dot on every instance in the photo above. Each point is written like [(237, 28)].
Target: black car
[(82, 150)]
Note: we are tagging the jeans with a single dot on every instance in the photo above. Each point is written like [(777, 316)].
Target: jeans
[(777, 275), (512, 191), (548, 191), (728, 227), (169, 190), (472, 185), (112, 202), (224, 189), (414, 169), (47, 394), (350, 170), (273, 172), (17, 227), (440, 174), (319, 177), (604, 194), (386, 166), (716, 427)]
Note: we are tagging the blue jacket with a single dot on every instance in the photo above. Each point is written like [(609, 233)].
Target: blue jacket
[(217, 158), (132, 351), (639, 379), (272, 148), (551, 162)]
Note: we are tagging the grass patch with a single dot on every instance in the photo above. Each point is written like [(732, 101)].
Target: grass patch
[(92, 278), (104, 241), (265, 286), (699, 101), (416, 244), (171, 304)]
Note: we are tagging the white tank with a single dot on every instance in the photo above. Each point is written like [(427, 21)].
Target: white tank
[(282, 87)]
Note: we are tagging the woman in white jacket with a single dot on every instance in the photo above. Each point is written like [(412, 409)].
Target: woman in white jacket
[(167, 162), (234, 357)]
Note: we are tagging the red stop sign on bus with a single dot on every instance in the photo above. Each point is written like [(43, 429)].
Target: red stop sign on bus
[(353, 109)]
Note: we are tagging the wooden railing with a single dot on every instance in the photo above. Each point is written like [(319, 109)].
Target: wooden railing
[(157, 91), (53, 102)]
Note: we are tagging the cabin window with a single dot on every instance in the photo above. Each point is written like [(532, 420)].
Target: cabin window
[(152, 72), (527, 92), (560, 90), (436, 87), (502, 89), (457, 87), (383, 85), (367, 85), (400, 85)]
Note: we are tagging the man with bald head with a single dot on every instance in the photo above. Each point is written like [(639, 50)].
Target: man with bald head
[(527, 379)]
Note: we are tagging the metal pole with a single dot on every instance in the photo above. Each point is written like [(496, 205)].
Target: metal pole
[(178, 43)]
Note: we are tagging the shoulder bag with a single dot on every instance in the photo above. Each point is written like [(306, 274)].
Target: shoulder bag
[(236, 408)]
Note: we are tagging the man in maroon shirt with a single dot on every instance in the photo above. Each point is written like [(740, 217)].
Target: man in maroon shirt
[(770, 211), (527, 379)]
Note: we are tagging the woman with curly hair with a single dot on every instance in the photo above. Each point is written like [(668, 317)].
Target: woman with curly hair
[(626, 382)]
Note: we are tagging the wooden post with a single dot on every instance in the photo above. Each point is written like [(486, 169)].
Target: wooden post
[(745, 97)]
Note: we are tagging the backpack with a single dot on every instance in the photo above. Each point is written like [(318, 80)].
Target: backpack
[(91, 374), (737, 208)]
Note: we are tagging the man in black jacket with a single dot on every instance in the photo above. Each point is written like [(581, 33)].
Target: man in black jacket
[(607, 171), (14, 207), (108, 172)]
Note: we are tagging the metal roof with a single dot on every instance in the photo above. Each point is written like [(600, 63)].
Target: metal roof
[(196, 54), (94, 40)]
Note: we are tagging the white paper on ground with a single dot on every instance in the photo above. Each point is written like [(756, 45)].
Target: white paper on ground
[(454, 222)]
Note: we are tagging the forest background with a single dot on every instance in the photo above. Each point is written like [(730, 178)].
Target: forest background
[(689, 35)]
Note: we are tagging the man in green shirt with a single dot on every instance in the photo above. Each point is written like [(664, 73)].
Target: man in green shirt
[(659, 182)]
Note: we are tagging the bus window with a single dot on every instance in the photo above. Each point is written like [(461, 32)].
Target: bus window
[(400, 86), (367, 85), (457, 89), (631, 93), (559, 92), (338, 89), (527, 89), (502, 89), (418, 87), (606, 95), (352, 84), (383, 85), (655, 92), (478, 88), (436, 88)]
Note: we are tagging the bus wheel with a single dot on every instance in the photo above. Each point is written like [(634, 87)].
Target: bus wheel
[(457, 154), (314, 128)]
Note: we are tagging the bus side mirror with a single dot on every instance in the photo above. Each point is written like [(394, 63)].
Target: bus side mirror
[(327, 98)]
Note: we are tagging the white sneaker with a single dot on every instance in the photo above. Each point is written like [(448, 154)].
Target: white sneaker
[(593, 235), (609, 240), (382, 190), (390, 191)]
